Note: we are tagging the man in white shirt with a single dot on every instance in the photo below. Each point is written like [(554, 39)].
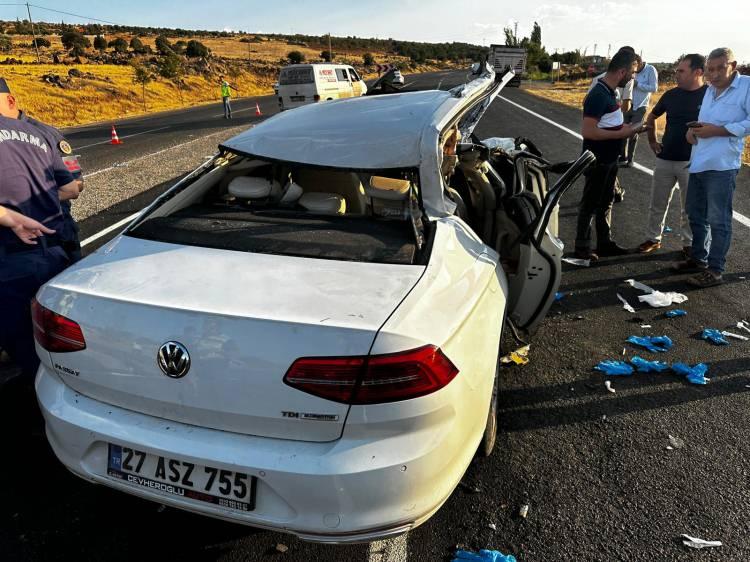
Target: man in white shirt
[(645, 82), (718, 138)]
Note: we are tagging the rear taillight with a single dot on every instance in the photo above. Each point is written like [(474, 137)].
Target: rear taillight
[(54, 332), (375, 379)]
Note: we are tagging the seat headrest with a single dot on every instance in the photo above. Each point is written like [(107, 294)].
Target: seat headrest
[(323, 203), (246, 187), (388, 188)]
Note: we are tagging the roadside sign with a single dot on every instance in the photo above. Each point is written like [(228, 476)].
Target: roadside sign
[(383, 67), (556, 65)]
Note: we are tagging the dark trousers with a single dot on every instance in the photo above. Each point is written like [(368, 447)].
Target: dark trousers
[(596, 204), (21, 275), (628, 145)]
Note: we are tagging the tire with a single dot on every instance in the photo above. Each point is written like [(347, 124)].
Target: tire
[(490, 430)]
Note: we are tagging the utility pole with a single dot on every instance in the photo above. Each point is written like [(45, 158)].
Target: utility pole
[(33, 33), (609, 49), (330, 52), (515, 33), (594, 50)]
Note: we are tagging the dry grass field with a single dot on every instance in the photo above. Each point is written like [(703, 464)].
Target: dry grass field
[(107, 92), (572, 94)]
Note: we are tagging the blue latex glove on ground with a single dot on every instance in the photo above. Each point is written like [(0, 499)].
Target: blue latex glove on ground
[(644, 366), (559, 296), (695, 374), (652, 343), (483, 556), (675, 313), (610, 367), (714, 336)]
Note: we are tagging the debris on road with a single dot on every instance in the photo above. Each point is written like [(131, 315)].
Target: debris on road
[(518, 357), (644, 366), (655, 298), (742, 325), (608, 386), (577, 261), (652, 343), (614, 368), (483, 556), (667, 229), (645, 326), (695, 374), (733, 335), (559, 296), (492, 526), (675, 313), (625, 304), (693, 542), (714, 336), (471, 489), (676, 442), (281, 548), (523, 511)]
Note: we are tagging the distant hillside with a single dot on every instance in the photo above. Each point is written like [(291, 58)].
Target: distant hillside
[(91, 73)]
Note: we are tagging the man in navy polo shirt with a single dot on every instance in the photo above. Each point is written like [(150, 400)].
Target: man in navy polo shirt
[(69, 232), (603, 132), (33, 181), (719, 139)]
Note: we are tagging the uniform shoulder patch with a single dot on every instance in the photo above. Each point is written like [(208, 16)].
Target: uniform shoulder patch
[(65, 147)]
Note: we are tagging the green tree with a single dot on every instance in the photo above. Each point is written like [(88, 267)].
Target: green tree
[(180, 47), (326, 55), (196, 49), (6, 44), (295, 57), (75, 42), (137, 45), (163, 46), (100, 43), (510, 38), (41, 42), (536, 35), (368, 59), (119, 45), (142, 76), (172, 67)]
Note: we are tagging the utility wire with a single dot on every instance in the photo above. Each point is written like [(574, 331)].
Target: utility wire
[(72, 14)]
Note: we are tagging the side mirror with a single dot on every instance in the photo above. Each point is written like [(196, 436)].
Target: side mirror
[(475, 68)]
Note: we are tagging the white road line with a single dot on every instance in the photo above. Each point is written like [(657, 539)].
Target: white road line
[(125, 137), (389, 550), (740, 218), (109, 229)]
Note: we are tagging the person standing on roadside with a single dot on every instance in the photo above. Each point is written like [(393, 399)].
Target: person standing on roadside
[(719, 139), (603, 131), (69, 232), (33, 181), (681, 105), (226, 96), (645, 83)]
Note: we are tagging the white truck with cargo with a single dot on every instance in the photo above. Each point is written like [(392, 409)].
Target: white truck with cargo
[(503, 57)]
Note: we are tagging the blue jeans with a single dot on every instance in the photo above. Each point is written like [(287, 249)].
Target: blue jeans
[(227, 108), (709, 208)]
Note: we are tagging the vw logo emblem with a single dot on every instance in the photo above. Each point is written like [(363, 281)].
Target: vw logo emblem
[(173, 359)]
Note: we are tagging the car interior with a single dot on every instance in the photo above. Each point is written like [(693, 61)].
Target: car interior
[(282, 208)]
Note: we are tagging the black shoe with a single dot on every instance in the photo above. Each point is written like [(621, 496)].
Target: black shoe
[(585, 255), (619, 195), (611, 250)]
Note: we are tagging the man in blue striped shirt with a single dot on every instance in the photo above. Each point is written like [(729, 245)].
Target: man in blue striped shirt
[(645, 83), (718, 139)]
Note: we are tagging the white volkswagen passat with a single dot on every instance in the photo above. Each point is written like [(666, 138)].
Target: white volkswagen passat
[(303, 334)]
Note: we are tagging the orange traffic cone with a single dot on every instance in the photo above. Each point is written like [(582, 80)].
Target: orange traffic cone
[(257, 110), (115, 138)]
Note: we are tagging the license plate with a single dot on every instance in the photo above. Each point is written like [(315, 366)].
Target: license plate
[(225, 488), (297, 98)]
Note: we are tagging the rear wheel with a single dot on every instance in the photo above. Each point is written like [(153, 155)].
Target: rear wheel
[(490, 430)]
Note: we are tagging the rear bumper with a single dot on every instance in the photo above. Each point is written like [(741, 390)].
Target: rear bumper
[(344, 491)]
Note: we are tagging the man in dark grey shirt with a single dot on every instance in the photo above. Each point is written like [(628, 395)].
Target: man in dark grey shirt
[(681, 105)]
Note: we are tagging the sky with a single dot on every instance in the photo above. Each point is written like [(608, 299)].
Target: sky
[(661, 29)]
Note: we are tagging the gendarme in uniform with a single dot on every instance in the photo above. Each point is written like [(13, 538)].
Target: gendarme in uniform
[(32, 173), (69, 232)]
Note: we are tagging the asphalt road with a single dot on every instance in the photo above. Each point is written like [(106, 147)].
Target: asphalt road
[(592, 466)]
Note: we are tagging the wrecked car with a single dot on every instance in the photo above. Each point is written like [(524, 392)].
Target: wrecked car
[(303, 334)]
